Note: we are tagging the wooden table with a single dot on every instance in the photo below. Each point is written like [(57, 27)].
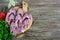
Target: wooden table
[(46, 16)]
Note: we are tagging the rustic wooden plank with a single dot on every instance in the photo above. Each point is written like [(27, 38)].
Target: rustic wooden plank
[(46, 15)]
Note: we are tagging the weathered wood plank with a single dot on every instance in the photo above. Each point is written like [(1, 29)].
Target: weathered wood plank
[(46, 15)]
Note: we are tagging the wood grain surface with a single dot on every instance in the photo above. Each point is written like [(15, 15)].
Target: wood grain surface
[(46, 20)]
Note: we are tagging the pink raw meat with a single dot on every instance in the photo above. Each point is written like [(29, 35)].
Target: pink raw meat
[(18, 21)]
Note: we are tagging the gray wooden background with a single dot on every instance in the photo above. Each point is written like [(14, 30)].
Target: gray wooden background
[(46, 16)]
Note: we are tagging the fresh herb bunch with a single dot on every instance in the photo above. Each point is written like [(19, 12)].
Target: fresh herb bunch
[(4, 31)]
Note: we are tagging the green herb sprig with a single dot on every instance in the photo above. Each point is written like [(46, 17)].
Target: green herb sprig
[(4, 31)]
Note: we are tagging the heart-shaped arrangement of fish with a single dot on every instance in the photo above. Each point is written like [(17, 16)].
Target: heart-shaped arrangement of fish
[(18, 18)]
